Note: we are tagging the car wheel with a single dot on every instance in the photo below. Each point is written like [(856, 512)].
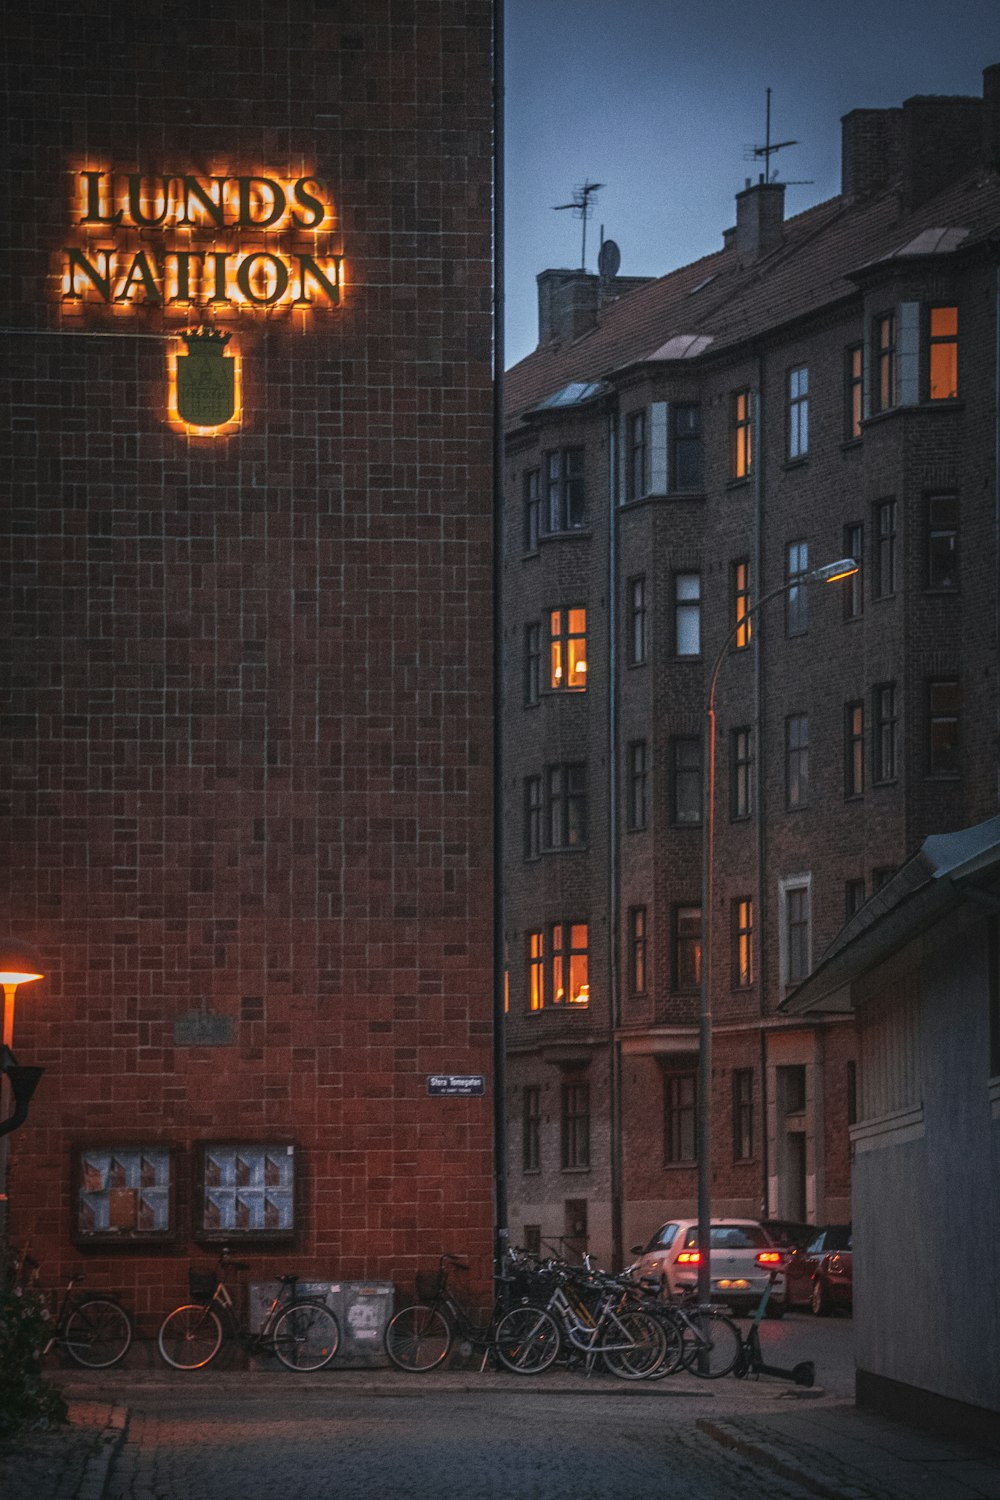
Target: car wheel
[(818, 1300)]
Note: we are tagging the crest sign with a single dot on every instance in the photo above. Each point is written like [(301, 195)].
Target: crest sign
[(206, 380)]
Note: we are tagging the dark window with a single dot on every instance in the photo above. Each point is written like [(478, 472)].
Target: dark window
[(680, 1092), (567, 649), (637, 950), (797, 933), (635, 460), (637, 639), (943, 353), (532, 663), (797, 761), (742, 1114), (854, 897), (687, 947), (575, 1125), (884, 392), (854, 594), (852, 1092), (885, 740), (797, 597), (792, 1087), (532, 508), (798, 412), (532, 1238), (743, 955), (687, 614), (942, 541), (944, 706), (564, 490), (536, 970), (881, 875), (741, 773), (741, 435), (854, 405), (740, 587), (993, 940), (531, 1136), (570, 970), (566, 810), (885, 549), (532, 817), (687, 781), (686, 447), (638, 785), (854, 749)]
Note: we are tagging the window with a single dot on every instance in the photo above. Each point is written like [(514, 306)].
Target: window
[(687, 947), (739, 577), (686, 447), (854, 749), (742, 1114), (943, 353), (532, 663), (993, 940), (885, 549), (637, 950), (123, 1194), (855, 383), (743, 958), (248, 1191), (796, 761), (532, 1239), (564, 490), (854, 897), (532, 817), (886, 733), (798, 412), (567, 648), (791, 1089), (741, 773), (566, 810), (852, 1092), (536, 970), (637, 632), (881, 875), (687, 614), (796, 933), (687, 781), (635, 457), (741, 427), (532, 508), (944, 704), (884, 394), (942, 542), (569, 964), (531, 1130), (680, 1137), (638, 779), (575, 1125), (797, 597), (853, 587)]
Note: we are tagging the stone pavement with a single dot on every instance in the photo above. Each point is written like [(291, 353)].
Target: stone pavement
[(775, 1439)]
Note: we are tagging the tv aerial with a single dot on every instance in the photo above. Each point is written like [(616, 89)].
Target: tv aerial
[(765, 152), (582, 209)]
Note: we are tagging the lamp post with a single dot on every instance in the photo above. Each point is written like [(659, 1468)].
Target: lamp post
[(843, 568), (19, 964)]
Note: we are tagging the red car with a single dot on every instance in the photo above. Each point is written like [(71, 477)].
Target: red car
[(821, 1272)]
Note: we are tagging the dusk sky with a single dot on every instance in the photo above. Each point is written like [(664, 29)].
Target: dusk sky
[(658, 100)]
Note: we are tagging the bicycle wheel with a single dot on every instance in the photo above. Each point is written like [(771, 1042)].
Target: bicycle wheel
[(98, 1333), (717, 1338), (527, 1340), (644, 1345), (306, 1336), (418, 1339), (673, 1357), (190, 1337)]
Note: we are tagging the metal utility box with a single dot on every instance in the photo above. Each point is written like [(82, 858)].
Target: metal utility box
[(362, 1309)]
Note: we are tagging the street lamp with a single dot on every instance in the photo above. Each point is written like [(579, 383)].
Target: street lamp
[(19, 964), (830, 573)]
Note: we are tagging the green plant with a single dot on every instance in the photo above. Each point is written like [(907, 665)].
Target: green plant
[(27, 1399)]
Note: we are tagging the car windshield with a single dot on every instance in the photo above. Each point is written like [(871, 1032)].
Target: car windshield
[(836, 1237), (731, 1237), (662, 1239)]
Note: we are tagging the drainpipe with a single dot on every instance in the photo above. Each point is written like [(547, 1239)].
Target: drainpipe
[(614, 903), (996, 489), (758, 735)]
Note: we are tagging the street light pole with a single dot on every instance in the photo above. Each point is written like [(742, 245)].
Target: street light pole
[(843, 568)]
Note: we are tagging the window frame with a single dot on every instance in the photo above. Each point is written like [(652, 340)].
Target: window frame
[(885, 734), (743, 1114), (795, 889), (532, 663), (944, 715), (638, 951), (855, 896), (740, 602), (638, 633), (531, 1128), (796, 762), (797, 594), (741, 773), (937, 341), (797, 413), (562, 950), (743, 966), (854, 391), (228, 1233), (686, 948), (684, 778), (535, 968), (885, 581), (682, 445), (532, 497), (741, 454), (854, 749), (565, 493), (564, 806), (885, 392), (560, 648), (680, 1117), (534, 805), (687, 608), (933, 584), (636, 454), (637, 786), (854, 590), (86, 1159), (574, 1124)]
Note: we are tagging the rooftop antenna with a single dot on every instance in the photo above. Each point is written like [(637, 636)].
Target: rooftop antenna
[(751, 153), (582, 209)]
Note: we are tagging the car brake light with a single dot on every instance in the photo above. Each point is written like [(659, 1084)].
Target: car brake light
[(770, 1258), (689, 1258)]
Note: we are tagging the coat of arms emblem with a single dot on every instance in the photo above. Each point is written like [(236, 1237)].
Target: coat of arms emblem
[(206, 379)]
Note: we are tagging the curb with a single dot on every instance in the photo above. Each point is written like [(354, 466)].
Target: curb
[(95, 1476), (792, 1464)]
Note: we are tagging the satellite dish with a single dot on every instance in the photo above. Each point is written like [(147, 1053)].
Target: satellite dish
[(609, 261)]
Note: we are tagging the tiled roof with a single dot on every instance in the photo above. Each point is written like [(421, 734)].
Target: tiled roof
[(722, 299)]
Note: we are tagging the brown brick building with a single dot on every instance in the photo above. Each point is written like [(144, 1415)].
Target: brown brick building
[(822, 386), (247, 693)]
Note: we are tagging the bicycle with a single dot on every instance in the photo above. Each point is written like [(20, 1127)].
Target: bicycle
[(95, 1331), (585, 1314), (420, 1337), (712, 1344), (301, 1331)]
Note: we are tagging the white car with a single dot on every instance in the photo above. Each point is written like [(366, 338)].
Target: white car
[(743, 1256)]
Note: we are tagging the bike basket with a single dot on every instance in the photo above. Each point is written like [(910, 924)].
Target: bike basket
[(430, 1284), (202, 1284)]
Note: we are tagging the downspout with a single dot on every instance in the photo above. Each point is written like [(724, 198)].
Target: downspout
[(614, 923), (758, 735), (996, 491), (501, 1230)]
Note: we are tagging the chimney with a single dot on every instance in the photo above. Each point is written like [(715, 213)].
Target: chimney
[(991, 117), (870, 152), (942, 140), (567, 304), (760, 215)]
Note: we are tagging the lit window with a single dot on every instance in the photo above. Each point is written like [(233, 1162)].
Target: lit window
[(570, 984), (687, 614), (637, 950), (943, 353), (944, 704), (855, 391), (740, 580), (854, 750), (687, 947), (741, 455), (536, 971), (743, 959), (567, 648), (798, 412)]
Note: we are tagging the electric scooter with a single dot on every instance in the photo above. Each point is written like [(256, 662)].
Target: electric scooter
[(751, 1359)]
